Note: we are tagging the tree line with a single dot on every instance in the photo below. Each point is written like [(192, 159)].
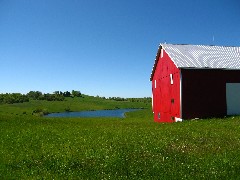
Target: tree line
[(144, 100), (10, 98)]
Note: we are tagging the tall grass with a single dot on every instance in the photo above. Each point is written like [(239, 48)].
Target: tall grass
[(114, 148), (118, 148)]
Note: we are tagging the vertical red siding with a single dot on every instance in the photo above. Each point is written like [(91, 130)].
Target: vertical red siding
[(166, 96)]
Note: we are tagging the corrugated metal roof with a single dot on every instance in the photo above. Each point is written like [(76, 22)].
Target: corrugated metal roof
[(201, 56)]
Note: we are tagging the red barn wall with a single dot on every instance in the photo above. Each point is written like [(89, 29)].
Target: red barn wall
[(204, 92), (166, 96)]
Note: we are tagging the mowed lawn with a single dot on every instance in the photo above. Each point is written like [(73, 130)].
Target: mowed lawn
[(116, 148)]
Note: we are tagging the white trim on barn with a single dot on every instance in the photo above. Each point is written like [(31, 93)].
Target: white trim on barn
[(171, 78)]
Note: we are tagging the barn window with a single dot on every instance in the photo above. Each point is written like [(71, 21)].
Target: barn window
[(155, 83), (172, 101), (172, 118), (159, 115), (171, 78)]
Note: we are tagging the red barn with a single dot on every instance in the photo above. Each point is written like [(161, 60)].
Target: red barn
[(195, 81)]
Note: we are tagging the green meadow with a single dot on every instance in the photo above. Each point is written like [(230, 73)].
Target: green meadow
[(36, 147)]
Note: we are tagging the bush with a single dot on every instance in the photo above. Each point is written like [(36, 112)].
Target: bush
[(67, 109), (40, 112)]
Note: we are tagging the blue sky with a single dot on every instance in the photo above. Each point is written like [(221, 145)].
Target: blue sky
[(102, 47)]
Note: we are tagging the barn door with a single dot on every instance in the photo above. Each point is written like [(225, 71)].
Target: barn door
[(233, 98)]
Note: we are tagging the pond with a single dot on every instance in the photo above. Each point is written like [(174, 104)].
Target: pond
[(98, 113)]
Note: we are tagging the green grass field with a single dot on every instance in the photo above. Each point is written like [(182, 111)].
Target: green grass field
[(134, 147)]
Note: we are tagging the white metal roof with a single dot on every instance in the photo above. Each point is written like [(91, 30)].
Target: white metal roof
[(201, 56)]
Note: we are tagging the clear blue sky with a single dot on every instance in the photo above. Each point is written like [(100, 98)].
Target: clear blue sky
[(102, 47)]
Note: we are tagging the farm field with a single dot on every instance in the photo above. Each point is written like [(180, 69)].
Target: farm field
[(134, 147)]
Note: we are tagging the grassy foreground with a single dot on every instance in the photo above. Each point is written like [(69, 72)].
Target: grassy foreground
[(114, 148)]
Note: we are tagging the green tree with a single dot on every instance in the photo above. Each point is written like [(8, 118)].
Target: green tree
[(76, 93), (35, 95), (66, 94)]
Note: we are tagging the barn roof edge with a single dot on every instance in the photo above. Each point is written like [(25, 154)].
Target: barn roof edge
[(200, 56)]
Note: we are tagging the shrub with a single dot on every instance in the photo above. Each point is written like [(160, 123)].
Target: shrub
[(40, 112), (67, 109)]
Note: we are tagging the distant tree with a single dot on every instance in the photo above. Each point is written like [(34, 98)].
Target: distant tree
[(25, 98), (59, 97), (35, 95), (76, 93), (145, 99), (56, 92), (117, 99), (66, 94), (1, 98), (9, 98), (53, 97)]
